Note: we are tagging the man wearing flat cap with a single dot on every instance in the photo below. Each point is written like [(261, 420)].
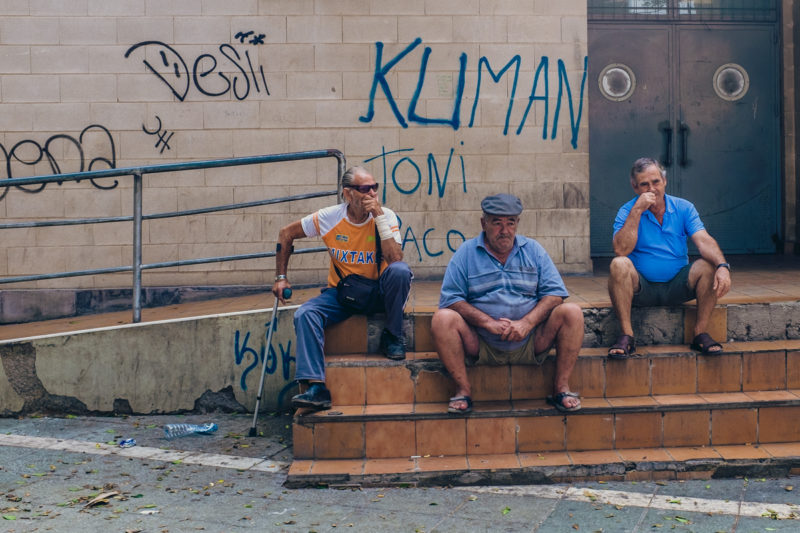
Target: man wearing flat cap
[(502, 302)]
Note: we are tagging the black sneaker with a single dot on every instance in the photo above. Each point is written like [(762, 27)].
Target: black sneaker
[(393, 347), (317, 397)]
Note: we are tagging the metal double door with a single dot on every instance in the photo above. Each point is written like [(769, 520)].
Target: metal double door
[(703, 100)]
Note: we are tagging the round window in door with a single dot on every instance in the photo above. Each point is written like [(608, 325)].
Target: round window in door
[(731, 82), (617, 82)]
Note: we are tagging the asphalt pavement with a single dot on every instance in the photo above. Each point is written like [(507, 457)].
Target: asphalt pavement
[(70, 474)]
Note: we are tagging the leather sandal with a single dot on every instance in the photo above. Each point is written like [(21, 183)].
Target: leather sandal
[(626, 345), (453, 409), (557, 401), (703, 344)]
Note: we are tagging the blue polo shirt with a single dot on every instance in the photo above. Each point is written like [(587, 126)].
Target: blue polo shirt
[(508, 291), (661, 249)]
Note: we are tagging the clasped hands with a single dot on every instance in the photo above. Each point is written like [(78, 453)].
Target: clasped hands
[(510, 330)]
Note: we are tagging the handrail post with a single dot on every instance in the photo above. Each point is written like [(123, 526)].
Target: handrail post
[(137, 247), (341, 168)]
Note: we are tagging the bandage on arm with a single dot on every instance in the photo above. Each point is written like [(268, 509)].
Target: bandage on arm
[(382, 225)]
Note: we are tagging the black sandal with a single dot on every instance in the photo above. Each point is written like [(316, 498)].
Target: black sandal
[(557, 401), (626, 345), (703, 344)]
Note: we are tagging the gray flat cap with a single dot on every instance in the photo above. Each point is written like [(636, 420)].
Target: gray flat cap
[(502, 204)]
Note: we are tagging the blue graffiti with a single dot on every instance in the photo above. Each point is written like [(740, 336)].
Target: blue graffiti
[(543, 68), (382, 69), (433, 172), (453, 238), (454, 121), (516, 61), (268, 358)]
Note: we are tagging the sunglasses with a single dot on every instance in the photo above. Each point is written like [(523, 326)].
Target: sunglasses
[(363, 189)]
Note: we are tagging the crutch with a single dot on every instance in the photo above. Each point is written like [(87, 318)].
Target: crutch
[(287, 293)]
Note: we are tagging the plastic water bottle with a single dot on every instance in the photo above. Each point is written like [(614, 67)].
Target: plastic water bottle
[(172, 431)]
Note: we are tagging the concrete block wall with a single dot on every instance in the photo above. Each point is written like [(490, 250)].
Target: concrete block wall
[(444, 101)]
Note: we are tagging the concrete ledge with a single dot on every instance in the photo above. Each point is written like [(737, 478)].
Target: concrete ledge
[(170, 366)]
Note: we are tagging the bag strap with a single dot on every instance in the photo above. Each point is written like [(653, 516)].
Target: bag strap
[(378, 255)]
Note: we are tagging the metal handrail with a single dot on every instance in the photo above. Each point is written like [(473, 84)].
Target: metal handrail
[(137, 173)]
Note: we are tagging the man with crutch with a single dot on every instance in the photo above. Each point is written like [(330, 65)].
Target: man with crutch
[(363, 239)]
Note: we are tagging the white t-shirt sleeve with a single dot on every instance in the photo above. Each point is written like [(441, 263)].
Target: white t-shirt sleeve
[(394, 224), (308, 225)]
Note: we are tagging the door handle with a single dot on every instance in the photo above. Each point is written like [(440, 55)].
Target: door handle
[(683, 131), (665, 127)]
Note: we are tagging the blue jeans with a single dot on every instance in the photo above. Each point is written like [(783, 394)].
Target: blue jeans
[(311, 319)]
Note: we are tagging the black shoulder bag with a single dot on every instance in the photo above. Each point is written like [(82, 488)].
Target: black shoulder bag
[(357, 293)]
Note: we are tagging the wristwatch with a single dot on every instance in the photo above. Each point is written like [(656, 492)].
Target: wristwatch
[(280, 277), (724, 265)]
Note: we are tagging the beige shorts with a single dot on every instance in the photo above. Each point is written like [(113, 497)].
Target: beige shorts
[(524, 355)]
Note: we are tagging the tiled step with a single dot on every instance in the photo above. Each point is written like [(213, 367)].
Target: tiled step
[(643, 464), (361, 379), (527, 426), (668, 414), (736, 322)]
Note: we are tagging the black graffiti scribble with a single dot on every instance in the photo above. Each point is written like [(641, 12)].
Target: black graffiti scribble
[(256, 40), (241, 35), (164, 143), (29, 153), (175, 73)]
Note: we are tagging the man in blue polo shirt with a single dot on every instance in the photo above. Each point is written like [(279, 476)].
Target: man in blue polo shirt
[(502, 303), (652, 267)]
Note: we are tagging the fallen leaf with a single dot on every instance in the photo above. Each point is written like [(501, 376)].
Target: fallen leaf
[(682, 520), (769, 513), (674, 500), (101, 499), (788, 488), (9, 517), (506, 510)]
